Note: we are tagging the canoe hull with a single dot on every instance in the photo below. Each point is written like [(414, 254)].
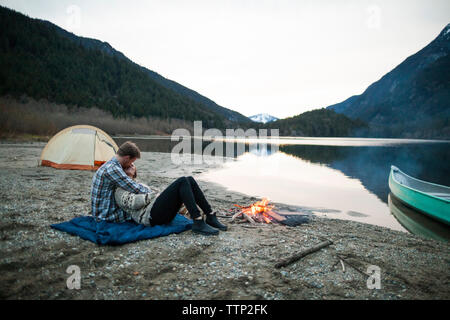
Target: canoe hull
[(435, 208)]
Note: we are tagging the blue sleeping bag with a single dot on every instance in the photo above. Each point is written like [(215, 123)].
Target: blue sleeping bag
[(111, 233)]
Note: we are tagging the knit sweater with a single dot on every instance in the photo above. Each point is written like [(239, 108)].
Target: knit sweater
[(137, 206)]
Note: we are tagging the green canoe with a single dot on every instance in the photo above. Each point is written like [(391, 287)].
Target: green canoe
[(426, 197)]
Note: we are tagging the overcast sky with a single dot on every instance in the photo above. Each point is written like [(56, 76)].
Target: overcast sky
[(282, 57)]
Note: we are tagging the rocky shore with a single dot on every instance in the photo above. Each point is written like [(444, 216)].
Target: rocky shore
[(236, 264)]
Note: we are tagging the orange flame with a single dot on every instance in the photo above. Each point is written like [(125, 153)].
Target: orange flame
[(260, 211)]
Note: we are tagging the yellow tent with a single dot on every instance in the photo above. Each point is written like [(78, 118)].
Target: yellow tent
[(80, 147)]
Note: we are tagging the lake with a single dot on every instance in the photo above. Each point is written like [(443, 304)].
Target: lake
[(342, 178)]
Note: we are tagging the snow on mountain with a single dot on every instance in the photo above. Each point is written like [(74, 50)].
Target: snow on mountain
[(263, 118), (446, 30)]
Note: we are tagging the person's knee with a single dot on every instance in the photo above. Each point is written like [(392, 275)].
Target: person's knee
[(182, 180)]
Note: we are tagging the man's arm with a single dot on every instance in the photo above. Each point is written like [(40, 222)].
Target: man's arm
[(119, 177)]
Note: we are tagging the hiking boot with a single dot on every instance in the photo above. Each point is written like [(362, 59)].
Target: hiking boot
[(212, 220), (201, 227)]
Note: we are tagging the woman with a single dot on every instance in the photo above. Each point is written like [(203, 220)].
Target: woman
[(160, 208)]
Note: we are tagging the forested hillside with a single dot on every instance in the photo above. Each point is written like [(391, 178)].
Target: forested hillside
[(412, 100), (317, 123), (38, 62)]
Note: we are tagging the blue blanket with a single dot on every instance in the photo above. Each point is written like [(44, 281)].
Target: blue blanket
[(111, 233)]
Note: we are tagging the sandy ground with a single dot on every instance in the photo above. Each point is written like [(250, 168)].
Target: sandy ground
[(236, 264)]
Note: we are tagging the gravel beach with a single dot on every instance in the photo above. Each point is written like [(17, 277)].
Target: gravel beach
[(236, 264)]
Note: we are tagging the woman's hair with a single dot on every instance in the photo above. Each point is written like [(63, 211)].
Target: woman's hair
[(129, 149), (135, 173)]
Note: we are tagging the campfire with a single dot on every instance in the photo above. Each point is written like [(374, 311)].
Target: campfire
[(260, 211)]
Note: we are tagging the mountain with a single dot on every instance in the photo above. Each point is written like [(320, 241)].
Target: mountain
[(412, 100), (40, 60), (169, 84), (317, 123), (263, 118)]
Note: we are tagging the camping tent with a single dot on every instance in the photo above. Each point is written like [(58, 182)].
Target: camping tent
[(80, 148)]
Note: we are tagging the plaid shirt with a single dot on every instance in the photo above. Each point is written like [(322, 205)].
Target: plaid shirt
[(109, 176)]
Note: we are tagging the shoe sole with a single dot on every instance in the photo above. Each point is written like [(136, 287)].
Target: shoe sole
[(221, 229)]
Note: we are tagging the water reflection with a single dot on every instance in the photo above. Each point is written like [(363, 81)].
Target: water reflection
[(416, 222), (288, 179), (371, 165), (230, 149)]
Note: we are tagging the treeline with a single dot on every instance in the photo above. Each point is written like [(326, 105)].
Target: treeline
[(318, 123), (42, 64), (42, 118)]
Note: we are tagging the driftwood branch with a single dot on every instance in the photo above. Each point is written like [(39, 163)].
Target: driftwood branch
[(352, 265), (342, 264), (303, 253)]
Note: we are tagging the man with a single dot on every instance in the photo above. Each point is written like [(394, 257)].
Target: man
[(111, 175)]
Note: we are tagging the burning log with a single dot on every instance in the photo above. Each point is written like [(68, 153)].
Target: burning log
[(260, 211), (235, 216), (249, 219), (303, 253), (276, 216)]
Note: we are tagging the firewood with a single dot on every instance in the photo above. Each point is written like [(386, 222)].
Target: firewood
[(275, 215), (259, 218), (223, 216), (302, 253), (235, 216), (260, 211), (249, 219)]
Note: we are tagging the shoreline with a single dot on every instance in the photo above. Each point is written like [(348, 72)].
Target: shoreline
[(29, 138), (236, 264)]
